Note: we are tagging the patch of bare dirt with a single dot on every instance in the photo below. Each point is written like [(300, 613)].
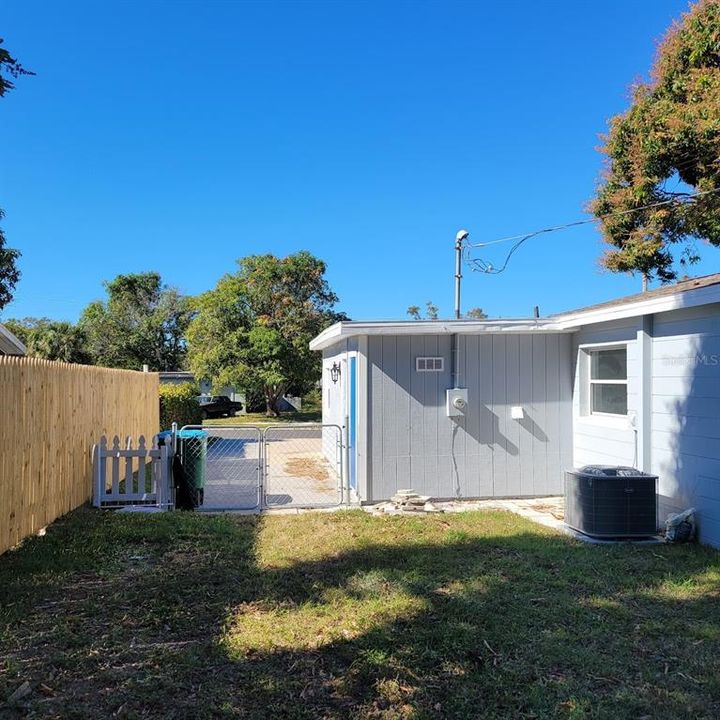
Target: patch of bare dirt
[(313, 468)]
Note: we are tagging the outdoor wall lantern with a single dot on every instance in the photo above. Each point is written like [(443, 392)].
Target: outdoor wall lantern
[(335, 372)]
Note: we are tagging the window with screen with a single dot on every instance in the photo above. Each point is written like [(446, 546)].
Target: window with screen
[(608, 381)]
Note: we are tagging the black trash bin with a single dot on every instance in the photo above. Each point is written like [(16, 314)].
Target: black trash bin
[(192, 449), (609, 501)]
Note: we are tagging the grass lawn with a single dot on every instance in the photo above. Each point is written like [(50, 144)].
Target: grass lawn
[(344, 615), (311, 412), (262, 419)]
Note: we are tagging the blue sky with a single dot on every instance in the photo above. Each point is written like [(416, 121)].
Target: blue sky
[(179, 136)]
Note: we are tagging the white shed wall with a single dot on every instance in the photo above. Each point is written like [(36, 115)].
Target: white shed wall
[(334, 394)]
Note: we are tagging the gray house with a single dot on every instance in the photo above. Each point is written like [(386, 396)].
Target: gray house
[(500, 408)]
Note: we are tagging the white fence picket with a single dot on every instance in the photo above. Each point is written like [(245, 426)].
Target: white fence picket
[(115, 466), (129, 468), (134, 489)]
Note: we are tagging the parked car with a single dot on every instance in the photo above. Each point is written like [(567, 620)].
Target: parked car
[(218, 406)]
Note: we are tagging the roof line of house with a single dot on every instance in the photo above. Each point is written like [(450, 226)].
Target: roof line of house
[(347, 329), (9, 344), (649, 305), (693, 293)]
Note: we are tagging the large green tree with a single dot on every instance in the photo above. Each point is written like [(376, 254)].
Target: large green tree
[(51, 339), (10, 69), (9, 273), (142, 322), (664, 150), (253, 329)]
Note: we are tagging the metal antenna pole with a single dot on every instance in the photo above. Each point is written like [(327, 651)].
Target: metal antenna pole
[(461, 235), (459, 239)]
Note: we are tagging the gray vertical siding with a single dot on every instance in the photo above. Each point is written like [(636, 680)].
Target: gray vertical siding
[(685, 420), (406, 440), (600, 440), (682, 385), (485, 453)]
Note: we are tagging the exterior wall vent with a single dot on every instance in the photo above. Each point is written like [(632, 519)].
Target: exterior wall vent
[(429, 364)]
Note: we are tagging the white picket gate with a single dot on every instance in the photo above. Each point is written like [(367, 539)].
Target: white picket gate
[(138, 476)]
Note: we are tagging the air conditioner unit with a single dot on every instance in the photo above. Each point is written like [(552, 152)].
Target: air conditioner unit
[(611, 502)]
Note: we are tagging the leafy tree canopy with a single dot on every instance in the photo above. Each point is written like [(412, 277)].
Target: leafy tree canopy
[(253, 329), (142, 322), (665, 147), (10, 69), (51, 339), (476, 313), (431, 311), (9, 273)]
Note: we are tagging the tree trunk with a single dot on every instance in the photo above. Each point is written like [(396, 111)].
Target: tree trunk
[(272, 396)]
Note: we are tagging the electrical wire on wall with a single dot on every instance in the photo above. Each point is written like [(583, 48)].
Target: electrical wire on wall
[(458, 490)]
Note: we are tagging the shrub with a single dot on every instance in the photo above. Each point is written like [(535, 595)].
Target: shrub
[(178, 403), (254, 400)]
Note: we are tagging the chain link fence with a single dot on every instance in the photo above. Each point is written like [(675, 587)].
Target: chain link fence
[(249, 468), (223, 465), (303, 466)]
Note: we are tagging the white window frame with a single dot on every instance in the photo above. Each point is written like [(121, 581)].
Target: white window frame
[(423, 360), (589, 381)]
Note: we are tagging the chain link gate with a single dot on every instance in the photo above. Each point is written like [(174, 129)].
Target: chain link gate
[(244, 467), (304, 466), (225, 465)]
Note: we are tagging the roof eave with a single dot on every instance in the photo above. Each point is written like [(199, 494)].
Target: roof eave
[(562, 323), (344, 330), (685, 299), (9, 344)]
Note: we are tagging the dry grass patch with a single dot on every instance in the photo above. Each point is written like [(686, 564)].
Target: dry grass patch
[(308, 467)]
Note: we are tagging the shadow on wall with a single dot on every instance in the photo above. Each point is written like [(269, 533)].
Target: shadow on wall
[(686, 432), (485, 430), (533, 428), (488, 431)]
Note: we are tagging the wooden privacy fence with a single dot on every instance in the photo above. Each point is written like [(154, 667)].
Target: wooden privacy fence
[(51, 415)]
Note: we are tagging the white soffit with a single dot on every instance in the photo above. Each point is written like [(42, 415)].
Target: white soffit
[(345, 330)]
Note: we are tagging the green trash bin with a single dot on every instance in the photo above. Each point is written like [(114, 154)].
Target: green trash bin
[(192, 447)]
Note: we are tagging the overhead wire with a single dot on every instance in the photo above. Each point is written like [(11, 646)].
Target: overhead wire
[(480, 265), (667, 201)]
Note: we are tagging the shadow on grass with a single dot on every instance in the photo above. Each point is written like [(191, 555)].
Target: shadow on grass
[(182, 616)]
